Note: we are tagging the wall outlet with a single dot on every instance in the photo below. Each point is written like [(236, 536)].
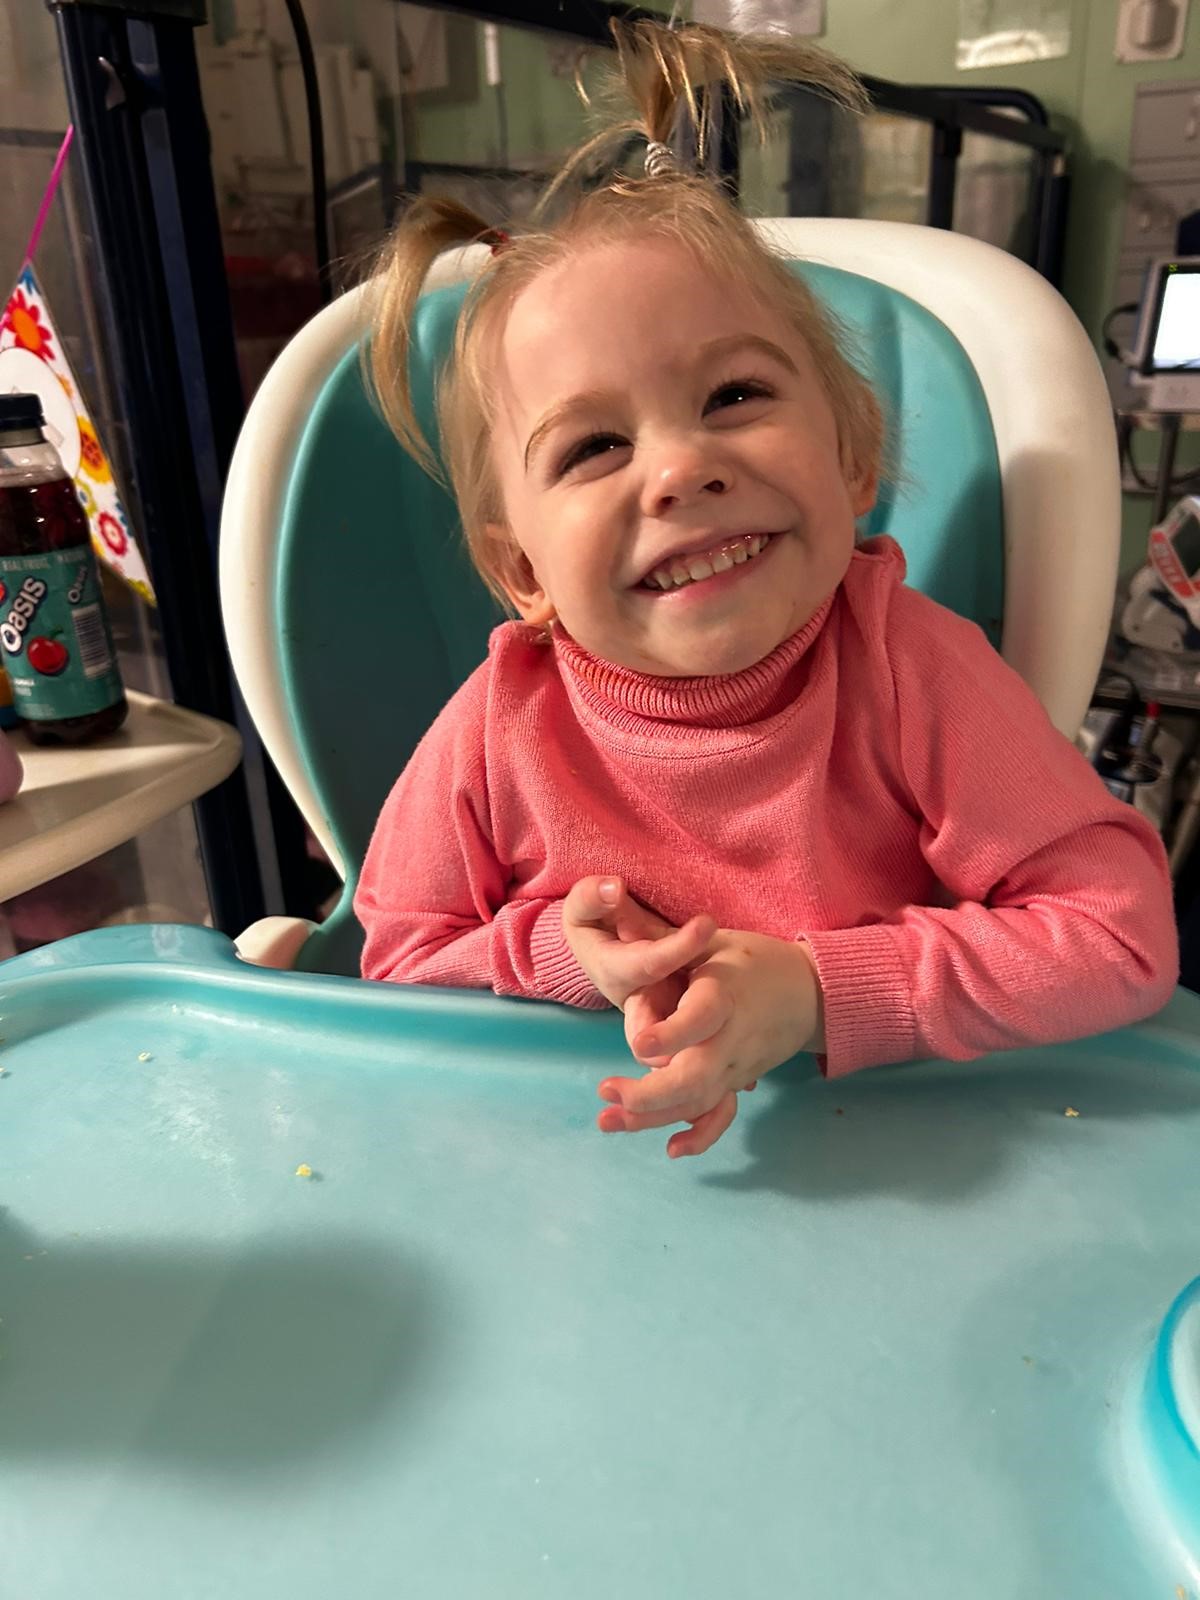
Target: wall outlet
[(1151, 30)]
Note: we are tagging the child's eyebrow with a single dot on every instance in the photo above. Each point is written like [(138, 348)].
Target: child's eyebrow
[(730, 343), (596, 399), (587, 400)]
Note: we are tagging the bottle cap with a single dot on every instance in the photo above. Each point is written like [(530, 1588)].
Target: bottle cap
[(20, 411)]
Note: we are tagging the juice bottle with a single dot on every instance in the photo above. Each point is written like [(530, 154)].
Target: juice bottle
[(55, 642), (8, 712)]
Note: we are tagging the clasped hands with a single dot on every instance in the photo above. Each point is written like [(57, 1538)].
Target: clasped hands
[(709, 1010)]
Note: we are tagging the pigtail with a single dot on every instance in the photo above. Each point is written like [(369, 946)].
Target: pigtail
[(666, 70), (664, 74), (430, 226)]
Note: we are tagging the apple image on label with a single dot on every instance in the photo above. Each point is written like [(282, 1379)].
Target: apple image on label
[(48, 656)]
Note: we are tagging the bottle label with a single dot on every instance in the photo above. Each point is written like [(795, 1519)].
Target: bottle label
[(54, 635)]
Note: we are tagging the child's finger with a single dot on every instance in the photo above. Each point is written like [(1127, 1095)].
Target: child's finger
[(688, 1085), (657, 959), (593, 900), (643, 1009), (612, 1119), (705, 1131), (647, 962), (704, 1008), (606, 902), (636, 921), (655, 1062)]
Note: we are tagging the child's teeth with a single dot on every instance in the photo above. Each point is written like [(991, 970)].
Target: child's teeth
[(696, 568)]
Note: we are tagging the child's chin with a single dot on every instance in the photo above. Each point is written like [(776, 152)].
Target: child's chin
[(718, 657)]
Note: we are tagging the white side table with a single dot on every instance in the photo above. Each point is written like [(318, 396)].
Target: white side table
[(78, 803)]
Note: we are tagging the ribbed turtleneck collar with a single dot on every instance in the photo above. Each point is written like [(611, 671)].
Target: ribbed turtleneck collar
[(640, 703)]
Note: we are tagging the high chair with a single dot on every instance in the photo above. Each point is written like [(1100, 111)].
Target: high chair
[(311, 1285), (352, 613)]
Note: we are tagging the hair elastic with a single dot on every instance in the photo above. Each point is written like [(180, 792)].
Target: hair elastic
[(660, 159)]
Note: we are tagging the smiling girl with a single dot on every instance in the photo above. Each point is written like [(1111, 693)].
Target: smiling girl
[(726, 772)]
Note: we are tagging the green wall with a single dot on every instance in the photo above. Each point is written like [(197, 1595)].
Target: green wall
[(462, 123)]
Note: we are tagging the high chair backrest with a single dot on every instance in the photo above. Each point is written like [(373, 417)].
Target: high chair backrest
[(352, 613)]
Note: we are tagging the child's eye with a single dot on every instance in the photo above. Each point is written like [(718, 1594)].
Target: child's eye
[(596, 444), (737, 393)]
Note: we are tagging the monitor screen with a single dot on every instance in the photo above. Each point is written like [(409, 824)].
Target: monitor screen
[(1187, 545), (1177, 336)]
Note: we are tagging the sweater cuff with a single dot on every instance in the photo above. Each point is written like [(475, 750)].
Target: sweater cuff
[(556, 972), (869, 1019)]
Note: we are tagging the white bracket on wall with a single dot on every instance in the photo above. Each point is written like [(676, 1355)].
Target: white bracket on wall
[(1151, 30)]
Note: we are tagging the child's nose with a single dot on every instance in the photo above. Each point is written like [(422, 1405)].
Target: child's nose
[(680, 477)]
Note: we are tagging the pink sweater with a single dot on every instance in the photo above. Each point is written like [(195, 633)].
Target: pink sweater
[(882, 785)]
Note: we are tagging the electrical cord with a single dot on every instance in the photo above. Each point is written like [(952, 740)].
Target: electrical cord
[(1110, 344), (316, 147), (502, 124), (1126, 427)]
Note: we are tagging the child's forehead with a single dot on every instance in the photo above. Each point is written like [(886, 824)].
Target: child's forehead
[(632, 301), (630, 273)]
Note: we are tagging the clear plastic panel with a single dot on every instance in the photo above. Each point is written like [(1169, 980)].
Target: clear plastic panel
[(820, 161), (995, 193)]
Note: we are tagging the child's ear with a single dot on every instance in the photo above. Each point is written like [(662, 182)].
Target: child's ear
[(519, 581), (863, 492)]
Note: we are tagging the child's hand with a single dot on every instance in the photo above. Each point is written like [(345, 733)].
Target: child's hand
[(751, 1004), (637, 960)]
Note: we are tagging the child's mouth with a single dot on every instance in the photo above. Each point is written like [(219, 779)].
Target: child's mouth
[(682, 572)]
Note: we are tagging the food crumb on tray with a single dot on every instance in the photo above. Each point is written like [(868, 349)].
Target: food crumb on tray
[(304, 1170), (145, 1056), (1070, 1112)]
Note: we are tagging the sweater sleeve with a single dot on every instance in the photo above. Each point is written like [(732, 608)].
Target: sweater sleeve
[(433, 893), (1057, 919)]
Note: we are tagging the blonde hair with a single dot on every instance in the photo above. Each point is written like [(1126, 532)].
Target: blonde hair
[(667, 74)]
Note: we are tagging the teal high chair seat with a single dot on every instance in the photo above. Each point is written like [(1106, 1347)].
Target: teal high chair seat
[(353, 614), (313, 1286)]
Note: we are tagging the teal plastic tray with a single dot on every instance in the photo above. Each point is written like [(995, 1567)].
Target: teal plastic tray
[(916, 1336)]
